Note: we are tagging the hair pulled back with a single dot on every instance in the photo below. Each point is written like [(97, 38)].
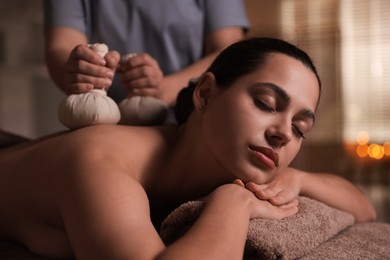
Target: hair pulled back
[(237, 60)]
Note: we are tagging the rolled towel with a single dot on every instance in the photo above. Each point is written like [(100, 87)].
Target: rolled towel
[(289, 238)]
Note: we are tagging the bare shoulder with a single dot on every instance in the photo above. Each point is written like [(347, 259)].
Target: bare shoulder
[(81, 157), (126, 135), (83, 181), (128, 138), (105, 186), (120, 145)]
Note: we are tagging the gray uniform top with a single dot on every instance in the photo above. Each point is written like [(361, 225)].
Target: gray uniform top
[(171, 31)]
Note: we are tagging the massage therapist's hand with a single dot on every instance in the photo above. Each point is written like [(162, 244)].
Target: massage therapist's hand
[(265, 210), (86, 70), (142, 76), (280, 191)]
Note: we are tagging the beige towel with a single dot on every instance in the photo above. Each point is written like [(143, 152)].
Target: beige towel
[(370, 240), (290, 238)]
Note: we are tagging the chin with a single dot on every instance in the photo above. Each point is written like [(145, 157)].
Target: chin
[(261, 177)]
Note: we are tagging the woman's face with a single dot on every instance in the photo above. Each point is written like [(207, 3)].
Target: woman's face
[(255, 128)]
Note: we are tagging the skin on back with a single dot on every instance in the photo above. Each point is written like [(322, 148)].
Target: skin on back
[(35, 190)]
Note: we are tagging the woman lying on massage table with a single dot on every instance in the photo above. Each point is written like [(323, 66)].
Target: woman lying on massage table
[(101, 191)]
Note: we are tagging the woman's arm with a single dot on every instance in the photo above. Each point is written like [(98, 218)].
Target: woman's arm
[(143, 76), (339, 193), (110, 220), (105, 211), (72, 65), (221, 230), (214, 43), (327, 188)]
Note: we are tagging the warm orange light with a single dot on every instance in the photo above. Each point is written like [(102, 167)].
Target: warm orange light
[(376, 151), (386, 147), (362, 137), (362, 150)]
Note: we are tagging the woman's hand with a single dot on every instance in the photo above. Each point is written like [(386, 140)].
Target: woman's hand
[(265, 210), (142, 76), (280, 191), (86, 70), (261, 208), (221, 229)]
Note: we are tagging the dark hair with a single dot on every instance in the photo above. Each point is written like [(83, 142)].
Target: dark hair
[(237, 60)]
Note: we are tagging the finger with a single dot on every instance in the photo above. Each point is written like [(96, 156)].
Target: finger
[(263, 191), (143, 59), (78, 88), (90, 69), (278, 200), (150, 92), (77, 78), (255, 187), (112, 58), (293, 203), (268, 211), (140, 60), (282, 198), (83, 52), (140, 72), (138, 85), (151, 75), (125, 63), (239, 183), (287, 212), (284, 212), (270, 192)]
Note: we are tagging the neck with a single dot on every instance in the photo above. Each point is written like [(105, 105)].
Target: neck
[(192, 172)]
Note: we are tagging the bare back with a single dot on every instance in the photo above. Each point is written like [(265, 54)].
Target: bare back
[(40, 181)]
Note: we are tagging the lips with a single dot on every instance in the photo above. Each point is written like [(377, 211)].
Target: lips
[(266, 155)]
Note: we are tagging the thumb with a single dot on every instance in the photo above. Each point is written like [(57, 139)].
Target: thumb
[(282, 198), (239, 182), (262, 191)]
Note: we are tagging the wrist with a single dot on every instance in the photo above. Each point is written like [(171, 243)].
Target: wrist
[(235, 197)]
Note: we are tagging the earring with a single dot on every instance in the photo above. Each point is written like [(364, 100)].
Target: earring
[(200, 107)]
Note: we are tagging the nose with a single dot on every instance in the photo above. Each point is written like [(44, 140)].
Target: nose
[(280, 133)]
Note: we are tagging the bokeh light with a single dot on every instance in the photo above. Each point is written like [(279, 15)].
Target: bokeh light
[(362, 137), (376, 151), (386, 147), (362, 150)]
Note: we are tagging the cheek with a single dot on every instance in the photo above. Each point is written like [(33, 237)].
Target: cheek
[(220, 126), (291, 152), (225, 129)]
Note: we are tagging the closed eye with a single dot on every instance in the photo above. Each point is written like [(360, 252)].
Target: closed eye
[(263, 106), (298, 131)]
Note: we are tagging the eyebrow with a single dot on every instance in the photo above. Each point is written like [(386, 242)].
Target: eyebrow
[(309, 114), (282, 94)]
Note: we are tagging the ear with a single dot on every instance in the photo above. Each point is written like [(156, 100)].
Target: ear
[(204, 90)]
